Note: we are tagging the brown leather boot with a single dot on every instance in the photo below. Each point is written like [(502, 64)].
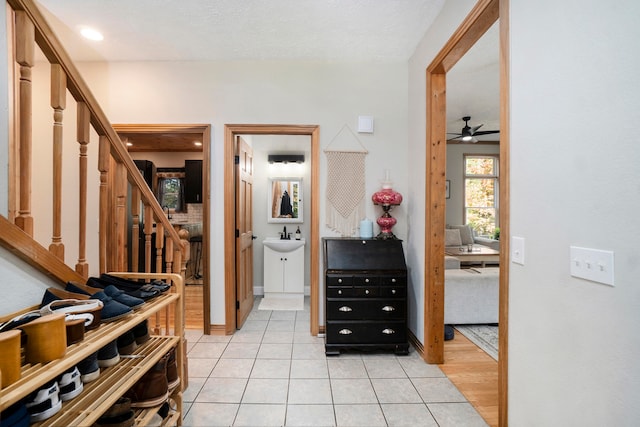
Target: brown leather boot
[(152, 389), (173, 378), (9, 357)]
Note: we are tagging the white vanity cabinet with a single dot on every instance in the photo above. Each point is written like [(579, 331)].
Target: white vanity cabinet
[(283, 271)]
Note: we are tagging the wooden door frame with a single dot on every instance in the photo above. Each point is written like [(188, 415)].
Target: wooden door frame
[(230, 133), (202, 131), (484, 14)]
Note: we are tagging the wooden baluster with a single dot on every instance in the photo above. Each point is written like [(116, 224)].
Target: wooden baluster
[(185, 253), (159, 246), (24, 51), (104, 160), (83, 136), (168, 254), (148, 236), (58, 103), (135, 228), (120, 219)]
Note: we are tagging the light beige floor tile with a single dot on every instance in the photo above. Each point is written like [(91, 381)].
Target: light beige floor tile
[(353, 391), (309, 391), (395, 390), (271, 368), (210, 414), (241, 351), (252, 415), (309, 369), (281, 325), (417, 368), (359, 416), (308, 351), (233, 368), (207, 350), (384, 368), (215, 338), (255, 325), (222, 390), (201, 368), (437, 390), (193, 334), (195, 385), (283, 315), (305, 337), (410, 414), (259, 314), (346, 368), (275, 351), (456, 415), (310, 416), (260, 390), (277, 337), (247, 337)]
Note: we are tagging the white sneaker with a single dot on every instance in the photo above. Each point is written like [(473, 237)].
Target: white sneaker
[(45, 402), (70, 384)]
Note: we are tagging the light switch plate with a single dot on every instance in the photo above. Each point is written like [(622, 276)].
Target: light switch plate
[(517, 250), (592, 264)]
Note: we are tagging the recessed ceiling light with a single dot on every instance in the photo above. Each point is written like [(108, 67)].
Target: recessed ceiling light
[(91, 34), (197, 143)]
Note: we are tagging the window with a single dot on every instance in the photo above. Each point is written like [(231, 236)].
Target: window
[(481, 192), (171, 190)]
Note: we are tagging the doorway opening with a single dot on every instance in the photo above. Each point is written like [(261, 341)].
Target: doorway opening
[(230, 211), (479, 20), (185, 147)]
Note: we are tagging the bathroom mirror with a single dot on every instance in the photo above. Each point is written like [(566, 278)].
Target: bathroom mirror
[(285, 200)]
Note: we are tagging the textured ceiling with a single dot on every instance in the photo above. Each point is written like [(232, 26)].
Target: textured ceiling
[(330, 30), (195, 30)]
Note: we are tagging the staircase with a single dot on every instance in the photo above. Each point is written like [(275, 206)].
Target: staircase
[(76, 201)]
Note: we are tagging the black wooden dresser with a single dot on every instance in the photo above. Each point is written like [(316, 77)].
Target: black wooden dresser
[(365, 295)]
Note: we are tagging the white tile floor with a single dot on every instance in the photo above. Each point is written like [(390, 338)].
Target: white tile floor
[(272, 372)]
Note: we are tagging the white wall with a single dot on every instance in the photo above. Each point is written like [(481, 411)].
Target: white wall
[(450, 17), (323, 93), (573, 344)]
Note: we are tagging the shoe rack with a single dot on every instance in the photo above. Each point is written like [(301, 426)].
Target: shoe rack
[(99, 395)]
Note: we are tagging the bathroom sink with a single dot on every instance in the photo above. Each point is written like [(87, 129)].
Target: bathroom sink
[(280, 245)]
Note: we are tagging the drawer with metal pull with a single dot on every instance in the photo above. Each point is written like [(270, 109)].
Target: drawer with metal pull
[(360, 332), (377, 309)]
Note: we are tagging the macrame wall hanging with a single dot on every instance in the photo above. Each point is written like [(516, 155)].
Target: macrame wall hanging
[(345, 182)]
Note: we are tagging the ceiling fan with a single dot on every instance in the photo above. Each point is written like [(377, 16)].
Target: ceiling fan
[(469, 133)]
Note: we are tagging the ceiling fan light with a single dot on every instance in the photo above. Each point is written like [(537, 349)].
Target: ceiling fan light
[(467, 138)]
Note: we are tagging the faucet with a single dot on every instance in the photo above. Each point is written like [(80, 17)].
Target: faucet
[(168, 211), (283, 235)]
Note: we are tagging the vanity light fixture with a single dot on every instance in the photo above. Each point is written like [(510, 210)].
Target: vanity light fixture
[(285, 158)]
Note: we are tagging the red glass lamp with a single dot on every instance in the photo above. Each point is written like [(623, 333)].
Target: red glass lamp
[(387, 198)]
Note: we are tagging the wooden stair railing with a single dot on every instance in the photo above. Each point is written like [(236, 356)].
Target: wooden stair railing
[(121, 192)]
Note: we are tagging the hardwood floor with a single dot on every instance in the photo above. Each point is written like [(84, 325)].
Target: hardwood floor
[(475, 374)]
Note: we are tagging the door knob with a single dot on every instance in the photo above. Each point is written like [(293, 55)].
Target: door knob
[(253, 237)]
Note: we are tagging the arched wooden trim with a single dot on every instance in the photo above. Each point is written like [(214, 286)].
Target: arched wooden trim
[(479, 20), (230, 132)]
